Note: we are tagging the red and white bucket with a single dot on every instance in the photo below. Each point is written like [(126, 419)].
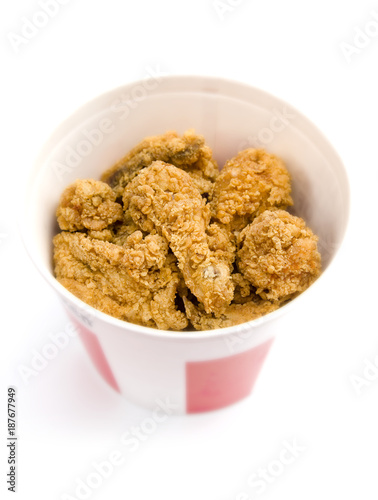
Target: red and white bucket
[(196, 371)]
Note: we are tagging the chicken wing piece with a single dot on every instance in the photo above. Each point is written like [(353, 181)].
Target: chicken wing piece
[(136, 282), (250, 183), (278, 254), (188, 152), (88, 204), (163, 198)]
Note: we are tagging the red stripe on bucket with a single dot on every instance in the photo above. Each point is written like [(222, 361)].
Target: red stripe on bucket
[(217, 383), (96, 353)]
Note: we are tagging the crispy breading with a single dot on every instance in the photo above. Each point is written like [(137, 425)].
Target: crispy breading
[(163, 198), (220, 243), (123, 281), (88, 204), (250, 183), (188, 152), (234, 314), (278, 254), (166, 241), (244, 291)]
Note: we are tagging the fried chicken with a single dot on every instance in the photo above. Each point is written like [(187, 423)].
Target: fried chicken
[(136, 282), (250, 183), (278, 254), (234, 314), (221, 245), (166, 241), (163, 198), (244, 291), (124, 229), (188, 152), (88, 204)]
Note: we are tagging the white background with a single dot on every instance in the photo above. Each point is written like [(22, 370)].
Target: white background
[(67, 417)]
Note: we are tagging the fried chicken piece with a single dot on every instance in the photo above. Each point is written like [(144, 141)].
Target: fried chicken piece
[(96, 298), (234, 314), (144, 254), (244, 291), (278, 254), (188, 152), (124, 229), (250, 183), (104, 235), (88, 204), (136, 282), (118, 233), (164, 309), (163, 198), (220, 243)]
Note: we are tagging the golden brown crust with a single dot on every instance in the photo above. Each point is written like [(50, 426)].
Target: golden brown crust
[(234, 314), (163, 198), (250, 183), (278, 254), (221, 245), (147, 247), (88, 204), (188, 152), (124, 279), (244, 291)]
